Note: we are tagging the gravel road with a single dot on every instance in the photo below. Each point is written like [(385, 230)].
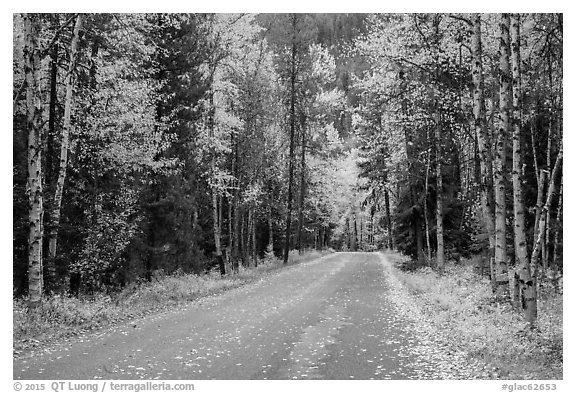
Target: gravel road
[(330, 318)]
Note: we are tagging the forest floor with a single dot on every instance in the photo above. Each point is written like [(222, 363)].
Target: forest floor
[(62, 318), (458, 310)]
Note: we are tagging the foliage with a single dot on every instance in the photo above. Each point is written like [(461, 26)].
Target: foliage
[(180, 139)]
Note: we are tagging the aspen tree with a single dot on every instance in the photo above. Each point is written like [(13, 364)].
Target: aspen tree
[(500, 256)]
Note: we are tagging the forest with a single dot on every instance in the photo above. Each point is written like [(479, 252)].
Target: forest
[(160, 144)]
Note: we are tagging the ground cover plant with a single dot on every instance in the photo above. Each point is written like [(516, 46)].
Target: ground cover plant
[(459, 305)]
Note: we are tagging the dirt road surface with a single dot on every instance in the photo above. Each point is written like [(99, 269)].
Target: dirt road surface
[(330, 318)]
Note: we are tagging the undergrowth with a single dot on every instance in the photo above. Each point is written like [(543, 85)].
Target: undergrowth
[(460, 303), (63, 316)]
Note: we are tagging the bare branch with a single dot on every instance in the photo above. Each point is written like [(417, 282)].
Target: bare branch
[(461, 19), (45, 51)]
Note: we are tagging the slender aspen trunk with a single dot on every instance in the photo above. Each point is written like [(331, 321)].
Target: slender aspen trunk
[(233, 207), (347, 235), (534, 155), (64, 147), (557, 240), (540, 181), (292, 130), (254, 250), (539, 201), (484, 142), (236, 236), (243, 239), (216, 221), (50, 166), (546, 242), (270, 247), (217, 232), (230, 233), (302, 190), (551, 134), (426, 223), (221, 217), (355, 238), (361, 230), (530, 295), (248, 234), (439, 197), (53, 101), (391, 244), (372, 229), (34, 126), (500, 257), (523, 273), (438, 145)]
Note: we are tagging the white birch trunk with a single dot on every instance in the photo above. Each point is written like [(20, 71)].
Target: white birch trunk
[(500, 256), (34, 125), (65, 143), (522, 261), (484, 139)]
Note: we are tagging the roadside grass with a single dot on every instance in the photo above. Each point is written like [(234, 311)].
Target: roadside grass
[(491, 333), (62, 316)]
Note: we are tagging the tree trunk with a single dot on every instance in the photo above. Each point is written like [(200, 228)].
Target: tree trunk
[(292, 130), (500, 257), (522, 261), (361, 230), (539, 202), (546, 242), (217, 233), (388, 220), (254, 250), (439, 197), (270, 247), (236, 236), (551, 134), (54, 58), (64, 146), (426, 220), (216, 221), (302, 189), (233, 209), (230, 219), (34, 126), (372, 229), (347, 234), (557, 240), (49, 167), (249, 244), (355, 238), (530, 294), (243, 239), (484, 143)]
